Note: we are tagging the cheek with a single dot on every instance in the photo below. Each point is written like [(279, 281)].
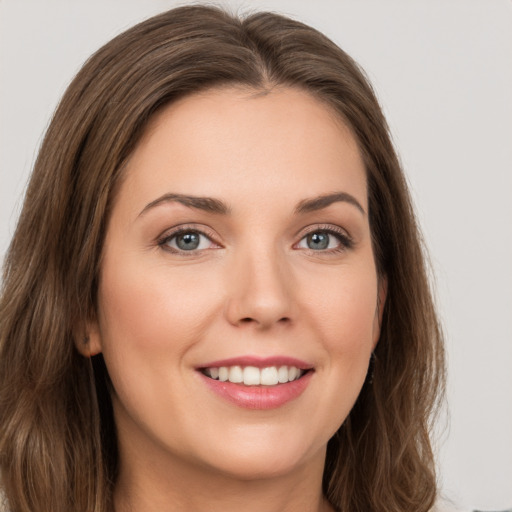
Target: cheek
[(148, 310), (343, 315), (344, 310), (148, 322), (340, 312)]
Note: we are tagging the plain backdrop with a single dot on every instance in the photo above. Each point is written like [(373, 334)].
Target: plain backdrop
[(442, 70)]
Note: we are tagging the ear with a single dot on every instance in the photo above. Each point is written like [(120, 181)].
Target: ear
[(382, 293), (89, 343)]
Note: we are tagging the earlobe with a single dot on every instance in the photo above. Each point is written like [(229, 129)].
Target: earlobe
[(89, 344), (382, 293)]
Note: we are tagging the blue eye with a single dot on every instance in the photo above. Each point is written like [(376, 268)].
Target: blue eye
[(324, 240), (318, 241), (187, 240)]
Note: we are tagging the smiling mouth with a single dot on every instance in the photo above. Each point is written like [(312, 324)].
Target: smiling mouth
[(253, 376)]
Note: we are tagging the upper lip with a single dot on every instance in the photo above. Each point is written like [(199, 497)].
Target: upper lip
[(259, 362)]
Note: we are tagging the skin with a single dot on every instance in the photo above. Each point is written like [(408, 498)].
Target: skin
[(253, 287)]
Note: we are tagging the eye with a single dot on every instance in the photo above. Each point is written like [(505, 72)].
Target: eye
[(325, 240), (187, 240)]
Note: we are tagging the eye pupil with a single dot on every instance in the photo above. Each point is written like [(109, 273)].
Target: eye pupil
[(318, 240), (188, 241)]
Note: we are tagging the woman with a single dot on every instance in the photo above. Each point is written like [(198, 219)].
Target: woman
[(216, 296)]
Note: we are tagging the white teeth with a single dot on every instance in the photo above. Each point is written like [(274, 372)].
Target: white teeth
[(252, 376), (293, 373), (223, 373), (235, 374), (269, 376), (282, 374)]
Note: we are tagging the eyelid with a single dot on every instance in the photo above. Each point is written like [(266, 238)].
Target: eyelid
[(332, 228), (343, 236), (185, 228)]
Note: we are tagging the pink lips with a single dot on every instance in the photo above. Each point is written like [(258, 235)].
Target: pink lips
[(258, 397)]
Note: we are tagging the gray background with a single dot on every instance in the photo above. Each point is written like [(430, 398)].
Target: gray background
[(443, 72)]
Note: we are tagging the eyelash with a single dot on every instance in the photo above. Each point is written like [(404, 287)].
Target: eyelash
[(164, 240), (341, 235), (345, 241)]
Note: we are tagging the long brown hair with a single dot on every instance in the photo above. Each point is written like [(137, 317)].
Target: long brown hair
[(57, 435)]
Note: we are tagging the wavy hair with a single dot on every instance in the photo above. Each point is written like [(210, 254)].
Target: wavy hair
[(58, 446)]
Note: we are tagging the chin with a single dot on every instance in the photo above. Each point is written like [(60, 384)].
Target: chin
[(262, 454), (267, 464)]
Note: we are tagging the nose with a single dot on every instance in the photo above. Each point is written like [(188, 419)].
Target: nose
[(260, 290)]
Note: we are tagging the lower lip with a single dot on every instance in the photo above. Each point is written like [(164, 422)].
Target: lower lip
[(259, 397)]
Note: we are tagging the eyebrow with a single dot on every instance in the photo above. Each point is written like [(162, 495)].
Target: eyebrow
[(208, 204), (320, 202), (212, 205)]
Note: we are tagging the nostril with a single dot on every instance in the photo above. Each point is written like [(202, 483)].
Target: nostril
[(249, 320)]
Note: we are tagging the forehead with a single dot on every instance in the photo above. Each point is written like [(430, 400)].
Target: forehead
[(236, 140)]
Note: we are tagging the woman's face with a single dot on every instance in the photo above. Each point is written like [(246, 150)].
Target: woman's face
[(238, 248)]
